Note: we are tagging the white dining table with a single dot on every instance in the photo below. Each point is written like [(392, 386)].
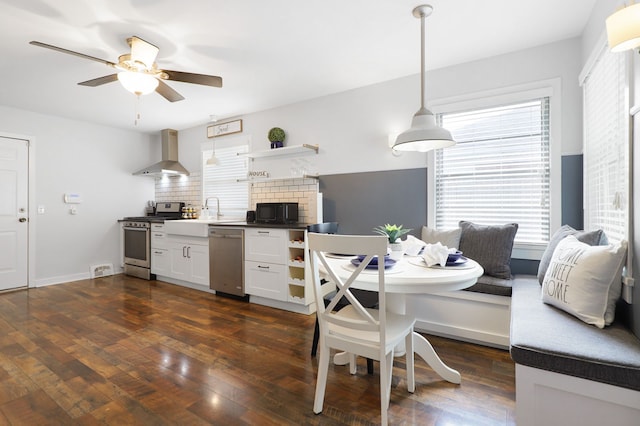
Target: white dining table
[(411, 276)]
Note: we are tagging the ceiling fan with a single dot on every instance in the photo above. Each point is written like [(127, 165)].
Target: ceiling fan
[(138, 71)]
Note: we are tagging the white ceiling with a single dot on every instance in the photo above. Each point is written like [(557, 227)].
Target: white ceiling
[(268, 52)]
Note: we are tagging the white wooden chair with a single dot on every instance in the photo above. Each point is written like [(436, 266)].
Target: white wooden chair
[(371, 333)]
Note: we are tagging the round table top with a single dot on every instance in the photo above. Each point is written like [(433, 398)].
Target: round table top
[(411, 275)]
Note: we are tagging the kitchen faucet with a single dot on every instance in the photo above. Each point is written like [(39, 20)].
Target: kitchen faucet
[(206, 207)]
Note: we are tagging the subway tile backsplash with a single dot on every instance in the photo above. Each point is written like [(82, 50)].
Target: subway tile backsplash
[(304, 191), (186, 188)]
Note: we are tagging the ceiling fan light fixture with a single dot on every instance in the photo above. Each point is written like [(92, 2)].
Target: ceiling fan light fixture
[(623, 28), (138, 83), (425, 134)]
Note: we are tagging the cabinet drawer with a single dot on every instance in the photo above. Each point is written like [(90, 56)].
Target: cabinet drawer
[(158, 236), (266, 245), (266, 280)]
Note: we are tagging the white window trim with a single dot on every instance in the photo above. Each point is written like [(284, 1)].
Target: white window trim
[(485, 99)]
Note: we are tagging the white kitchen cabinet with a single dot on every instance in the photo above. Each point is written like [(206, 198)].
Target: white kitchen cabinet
[(266, 280), (265, 253), (188, 259), (160, 263), (265, 245)]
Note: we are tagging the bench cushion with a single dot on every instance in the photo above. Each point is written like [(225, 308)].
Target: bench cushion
[(492, 285), (546, 338)]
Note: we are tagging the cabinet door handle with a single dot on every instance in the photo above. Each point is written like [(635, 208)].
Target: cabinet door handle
[(262, 267), (189, 252), (263, 232), (184, 251), (158, 235)]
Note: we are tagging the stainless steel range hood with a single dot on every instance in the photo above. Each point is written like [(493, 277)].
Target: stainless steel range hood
[(169, 165)]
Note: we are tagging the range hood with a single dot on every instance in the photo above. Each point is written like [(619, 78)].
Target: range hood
[(169, 166)]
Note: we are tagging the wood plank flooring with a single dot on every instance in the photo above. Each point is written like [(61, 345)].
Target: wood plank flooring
[(119, 350)]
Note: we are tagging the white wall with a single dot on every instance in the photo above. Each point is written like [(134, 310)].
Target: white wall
[(94, 161), (352, 127)]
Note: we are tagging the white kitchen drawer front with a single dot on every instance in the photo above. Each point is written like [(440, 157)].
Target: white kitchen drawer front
[(160, 262), (266, 245), (266, 280), (158, 236)]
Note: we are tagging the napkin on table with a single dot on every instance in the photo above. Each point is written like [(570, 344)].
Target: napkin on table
[(412, 245), (435, 254)]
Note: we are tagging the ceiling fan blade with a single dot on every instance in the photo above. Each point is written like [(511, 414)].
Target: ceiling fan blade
[(167, 92), (100, 81), (143, 51), (187, 77), (71, 52)]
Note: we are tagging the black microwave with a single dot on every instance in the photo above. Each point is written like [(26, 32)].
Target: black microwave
[(277, 213)]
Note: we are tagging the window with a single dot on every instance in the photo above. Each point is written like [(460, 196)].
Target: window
[(227, 180), (500, 170), (606, 145)]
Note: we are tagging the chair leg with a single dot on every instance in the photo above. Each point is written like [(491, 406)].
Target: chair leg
[(411, 380), (353, 365), (321, 380), (369, 366), (386, 367), (316, 337)]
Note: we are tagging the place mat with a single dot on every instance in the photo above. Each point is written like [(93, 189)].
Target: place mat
[(393, 270), (419, 261), (339, 256)]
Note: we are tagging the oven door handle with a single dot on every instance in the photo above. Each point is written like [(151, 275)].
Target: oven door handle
[(126, 228)]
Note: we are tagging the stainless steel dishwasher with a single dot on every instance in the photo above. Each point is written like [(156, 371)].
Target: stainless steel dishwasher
[(226, 260)]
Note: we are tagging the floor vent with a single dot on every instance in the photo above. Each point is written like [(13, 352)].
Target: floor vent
[(103, 270)]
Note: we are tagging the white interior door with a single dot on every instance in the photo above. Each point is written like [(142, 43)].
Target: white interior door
[(14, 225)]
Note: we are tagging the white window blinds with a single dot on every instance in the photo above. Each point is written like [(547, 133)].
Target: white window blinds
[(499, 170), (606, 146), (227, 180)]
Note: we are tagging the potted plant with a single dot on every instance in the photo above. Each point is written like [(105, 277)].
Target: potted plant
[(276, 137), (393, 234)]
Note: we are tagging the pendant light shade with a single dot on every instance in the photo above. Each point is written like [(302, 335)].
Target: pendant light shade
[(623, 28), (424, 134), (213, 160)]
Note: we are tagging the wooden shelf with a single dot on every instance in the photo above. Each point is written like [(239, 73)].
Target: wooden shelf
[(287, 150), (270, 179)]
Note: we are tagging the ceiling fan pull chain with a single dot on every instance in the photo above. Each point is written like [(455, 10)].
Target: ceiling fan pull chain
[(137, 110)]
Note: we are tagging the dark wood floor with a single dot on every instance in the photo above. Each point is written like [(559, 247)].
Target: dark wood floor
[(119, 350)]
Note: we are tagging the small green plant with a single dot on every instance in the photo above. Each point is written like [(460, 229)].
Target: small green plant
[(392, 232), (276, 134)]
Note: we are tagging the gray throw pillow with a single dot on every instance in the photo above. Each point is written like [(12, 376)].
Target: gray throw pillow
[(592, 238), (449, 238), (490, 246)]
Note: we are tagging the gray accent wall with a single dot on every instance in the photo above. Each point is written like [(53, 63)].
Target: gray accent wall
[(361, 201)]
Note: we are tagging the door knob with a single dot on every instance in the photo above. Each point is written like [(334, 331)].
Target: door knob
[(22, 219)]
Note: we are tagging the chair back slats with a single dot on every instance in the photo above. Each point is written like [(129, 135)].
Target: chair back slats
[(369, 246)]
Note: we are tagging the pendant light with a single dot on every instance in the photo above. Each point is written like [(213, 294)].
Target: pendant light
[(424, 134), (623, 29), (212, 161)]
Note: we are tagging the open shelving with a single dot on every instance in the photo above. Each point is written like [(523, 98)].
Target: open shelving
[(287, 150)]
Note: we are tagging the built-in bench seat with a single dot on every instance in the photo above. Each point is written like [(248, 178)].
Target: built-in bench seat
[(567, 371)]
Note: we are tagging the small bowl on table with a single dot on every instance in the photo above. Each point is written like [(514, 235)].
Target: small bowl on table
[(454, 257)]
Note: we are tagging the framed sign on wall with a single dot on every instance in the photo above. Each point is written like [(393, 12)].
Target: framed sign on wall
[(224, 129)]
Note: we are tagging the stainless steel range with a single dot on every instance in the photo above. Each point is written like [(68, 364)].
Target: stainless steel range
[(137, 238)]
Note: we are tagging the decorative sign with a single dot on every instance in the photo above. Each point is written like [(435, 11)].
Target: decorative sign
[(223, 129), (259, 174)]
